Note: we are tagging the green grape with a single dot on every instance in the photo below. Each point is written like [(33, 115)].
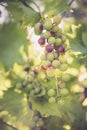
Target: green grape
[(55, 55), (46, 63), (18, 85), (52, 100), (56, 63), (29, 87), (61, 102), (46, 34), (56, 20), (43, 57), (59, 32), (55, 28), (63, 66), (64, 38), (37, 90), (50, 72), (32, 92), (66, 77), (51, 40), (50, 56), (38, 28), (48, 24), (58, 41), (51, 92), (64, 92)]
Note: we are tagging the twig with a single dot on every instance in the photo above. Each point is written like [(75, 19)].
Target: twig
[(9, 125)]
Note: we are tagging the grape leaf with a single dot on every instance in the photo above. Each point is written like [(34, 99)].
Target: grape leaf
[(22, 13), (11, 39)]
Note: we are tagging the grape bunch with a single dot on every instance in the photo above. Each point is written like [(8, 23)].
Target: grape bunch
[(31, 84), (54, 42)]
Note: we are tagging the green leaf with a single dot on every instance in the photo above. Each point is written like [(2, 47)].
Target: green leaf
[(57, 5), (22, 13), (11, 39)]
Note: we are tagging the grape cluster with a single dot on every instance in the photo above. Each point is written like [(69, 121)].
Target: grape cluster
[(31, 85), (54, 42), (38, 122)]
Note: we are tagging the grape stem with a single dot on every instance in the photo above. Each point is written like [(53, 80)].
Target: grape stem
[(58, 92), (38, 9)]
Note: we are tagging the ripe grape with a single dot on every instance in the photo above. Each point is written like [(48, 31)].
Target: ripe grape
[(41, 41), (52, 100), (48, 24), (38, 28), (49, 48), (61, 48), (51, 92), (56, 63), (51, 40)]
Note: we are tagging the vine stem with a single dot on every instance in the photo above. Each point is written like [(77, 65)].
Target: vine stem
[(38, 9)]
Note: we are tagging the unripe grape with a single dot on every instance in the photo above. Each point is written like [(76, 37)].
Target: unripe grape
[(66, 77), (61, 102), (64, 38), (18, 85), (55, 28), (43, 57), (58, 41), (56, 20), (29, 87), (48, 24), (61, 48), (56, 63), (46, 63), (64, 92), (46, 34), (40, 122), (63, 66), (52, 100), (51, 92), (55, 55), (41, 41), (50, 72), (37, 90), (59, 32), (49, 48), (51, 40), (50, 56), (38, 28)]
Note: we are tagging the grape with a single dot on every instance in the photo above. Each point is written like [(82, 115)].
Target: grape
[(46, 63), (36, 118), (29, 87), (50, 72), (55, 28), (38, 28), (51, 40), (51, 92), (64, 92), (52, 100), (63, 66), (46, 34), (48, 24), (49, 48), (37, 90), (66, 77), (61, 102), (59, 32), (58, 41), (50, 56), (41, 41), (43, 57), (18, 85), (55, 55), (63, 38), (56, 63), (56, 20), (26, 69), (61, 48), (52, 34)]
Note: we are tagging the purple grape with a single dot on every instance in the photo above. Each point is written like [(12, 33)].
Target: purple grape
[(49, 48), (61, 49), (41, 27), (27, 69), (41, 41), (52, 34)]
